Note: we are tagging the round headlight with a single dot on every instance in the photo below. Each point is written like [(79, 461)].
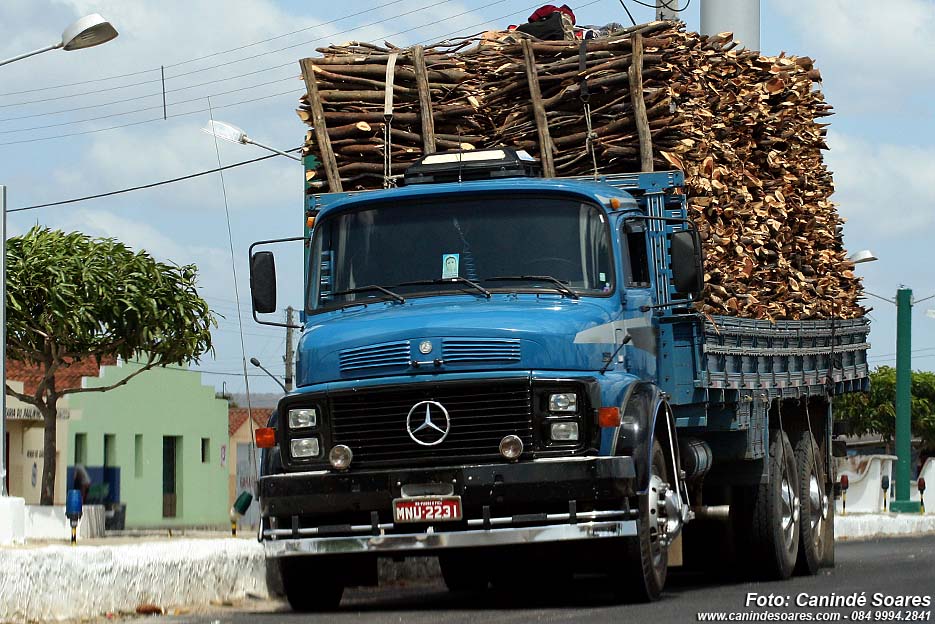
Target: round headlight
[(511, 447), (563, 402), (340, 457)]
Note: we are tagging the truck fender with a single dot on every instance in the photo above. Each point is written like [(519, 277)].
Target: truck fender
[(643, 406)]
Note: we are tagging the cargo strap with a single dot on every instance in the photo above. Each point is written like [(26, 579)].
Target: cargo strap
[(388, 119), (586, 100)]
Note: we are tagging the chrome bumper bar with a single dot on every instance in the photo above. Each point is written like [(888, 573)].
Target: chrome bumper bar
[(455, 539)]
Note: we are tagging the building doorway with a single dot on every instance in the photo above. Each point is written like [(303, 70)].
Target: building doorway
[(171, 453)]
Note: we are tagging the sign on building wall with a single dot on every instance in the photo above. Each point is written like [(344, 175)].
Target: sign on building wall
[(30, 412)]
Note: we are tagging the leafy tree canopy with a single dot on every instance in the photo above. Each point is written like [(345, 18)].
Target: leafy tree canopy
[(71, 297), (875, 411)]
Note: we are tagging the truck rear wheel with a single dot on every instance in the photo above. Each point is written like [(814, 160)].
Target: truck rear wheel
[(640, 570), (815, 505), (766, 516), (308, 585)]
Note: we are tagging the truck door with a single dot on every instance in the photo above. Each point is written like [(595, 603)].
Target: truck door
[(636, 292)]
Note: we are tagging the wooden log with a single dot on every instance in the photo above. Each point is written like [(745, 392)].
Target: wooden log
[(639, 104), (321, 129), (542, 125), (425, 100)]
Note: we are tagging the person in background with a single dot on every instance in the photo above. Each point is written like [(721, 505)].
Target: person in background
[(81, 482)]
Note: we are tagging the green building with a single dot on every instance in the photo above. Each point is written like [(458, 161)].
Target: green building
[(158, 445)]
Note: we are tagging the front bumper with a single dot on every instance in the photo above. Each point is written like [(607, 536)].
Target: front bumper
[(527, 502)]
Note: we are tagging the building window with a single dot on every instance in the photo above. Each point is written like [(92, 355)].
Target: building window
[(81, 448), (138, 455), (110, 450), (205, 450)]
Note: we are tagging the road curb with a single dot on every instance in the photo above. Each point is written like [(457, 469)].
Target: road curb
[(853, 527)]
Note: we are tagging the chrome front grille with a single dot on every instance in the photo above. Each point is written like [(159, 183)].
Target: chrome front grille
[(372, 422)]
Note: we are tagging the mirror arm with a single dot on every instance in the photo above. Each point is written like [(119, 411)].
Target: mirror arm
[(647, 308)]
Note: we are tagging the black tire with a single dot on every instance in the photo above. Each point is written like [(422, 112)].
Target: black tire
[(814, 505), (765, 517), (463, 571), (641, 571), (308, 586)]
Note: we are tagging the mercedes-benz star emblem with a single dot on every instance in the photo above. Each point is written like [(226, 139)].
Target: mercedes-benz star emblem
[(425, 347), (426, 416)]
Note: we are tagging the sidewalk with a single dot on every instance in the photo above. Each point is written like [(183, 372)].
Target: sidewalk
[(42, 582)]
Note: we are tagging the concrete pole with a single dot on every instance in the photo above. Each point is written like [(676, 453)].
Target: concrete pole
[(901, 502), (290, 350), (668, 9), (741, 17)]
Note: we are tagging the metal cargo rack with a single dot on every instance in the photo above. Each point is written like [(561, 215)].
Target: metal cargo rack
[(747, 354)]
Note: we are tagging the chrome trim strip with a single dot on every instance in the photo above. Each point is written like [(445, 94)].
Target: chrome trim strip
[(458, 539)]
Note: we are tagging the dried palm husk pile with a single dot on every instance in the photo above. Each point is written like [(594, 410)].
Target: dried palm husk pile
[(744, 128)]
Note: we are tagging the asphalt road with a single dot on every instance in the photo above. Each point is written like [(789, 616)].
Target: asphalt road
[(891, 568)]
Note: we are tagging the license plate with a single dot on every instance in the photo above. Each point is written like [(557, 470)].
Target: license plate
[(427, 509)]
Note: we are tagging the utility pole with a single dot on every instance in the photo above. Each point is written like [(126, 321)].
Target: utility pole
[(901, 502), (668, 9), (290, 351)]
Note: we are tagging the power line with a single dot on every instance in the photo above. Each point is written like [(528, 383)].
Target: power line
[(148, 108), (160, 118), (146, 186), (200, 58), (268, 52)]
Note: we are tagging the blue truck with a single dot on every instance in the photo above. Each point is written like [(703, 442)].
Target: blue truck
[(498, 368)]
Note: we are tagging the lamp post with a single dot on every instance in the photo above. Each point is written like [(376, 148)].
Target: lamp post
[(904, 303), (87, 32), (256, 363), (233, 134)]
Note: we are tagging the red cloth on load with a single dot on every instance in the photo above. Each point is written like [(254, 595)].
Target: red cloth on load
[(548, 9)]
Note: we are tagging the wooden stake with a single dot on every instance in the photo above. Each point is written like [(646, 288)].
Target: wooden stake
[(542, 124), (425, 100), (321, 129), (639, 104)]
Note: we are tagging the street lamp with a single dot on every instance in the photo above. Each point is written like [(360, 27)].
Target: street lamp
[(904, 303), (864, 255), (256, 363), (233, 134), (87, 32)]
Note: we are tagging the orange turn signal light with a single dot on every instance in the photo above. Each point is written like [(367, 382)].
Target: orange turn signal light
[(608, 416), (265, 437), (615, 203), (310, 222)]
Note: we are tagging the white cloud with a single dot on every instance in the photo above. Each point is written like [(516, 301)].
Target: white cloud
[(872, 54), (881, 187)]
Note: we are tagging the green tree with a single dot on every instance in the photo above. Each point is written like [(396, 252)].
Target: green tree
[(875, 411), (71, 297)]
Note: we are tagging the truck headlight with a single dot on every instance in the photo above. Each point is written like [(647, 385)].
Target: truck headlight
[(566, 402), (303, 418), (303, 448), (564, 432)]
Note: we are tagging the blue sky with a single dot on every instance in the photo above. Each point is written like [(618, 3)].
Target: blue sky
[(875, 58)]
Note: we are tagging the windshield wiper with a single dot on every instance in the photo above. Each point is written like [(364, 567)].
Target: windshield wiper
[(449, 280), (361, 289), (559, 284)]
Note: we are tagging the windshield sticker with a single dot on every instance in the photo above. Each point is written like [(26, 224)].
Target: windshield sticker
[(450, 264)]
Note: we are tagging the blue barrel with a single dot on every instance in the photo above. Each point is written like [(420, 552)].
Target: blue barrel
[(73, 504)]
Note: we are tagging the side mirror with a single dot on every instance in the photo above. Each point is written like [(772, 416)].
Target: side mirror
[(687, 271), (263, 282)]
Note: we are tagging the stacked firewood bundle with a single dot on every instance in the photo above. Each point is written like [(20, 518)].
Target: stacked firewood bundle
[(742, 127)]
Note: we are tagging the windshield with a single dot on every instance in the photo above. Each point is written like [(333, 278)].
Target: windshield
[(442, 242)]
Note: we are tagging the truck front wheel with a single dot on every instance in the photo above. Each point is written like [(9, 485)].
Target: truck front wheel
[(640, 570), (308, 585)]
